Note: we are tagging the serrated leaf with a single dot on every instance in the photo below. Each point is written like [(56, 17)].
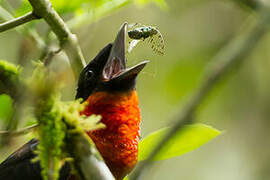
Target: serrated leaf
[(187, 139)]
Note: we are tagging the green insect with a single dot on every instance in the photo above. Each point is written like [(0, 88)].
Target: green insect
[(141, 33)]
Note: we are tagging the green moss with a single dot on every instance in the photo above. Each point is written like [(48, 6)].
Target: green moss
[(51, 131), (51, 135), (75, 121), (9, 78)]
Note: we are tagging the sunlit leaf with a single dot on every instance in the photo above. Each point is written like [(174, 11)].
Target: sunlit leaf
[(61, 6), (186, 140), (126, 178), (96, 11)]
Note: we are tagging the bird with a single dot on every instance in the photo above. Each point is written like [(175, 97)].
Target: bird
[(107, 88)]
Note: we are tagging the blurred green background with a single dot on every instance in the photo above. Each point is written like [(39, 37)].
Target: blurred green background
[(194, 31)]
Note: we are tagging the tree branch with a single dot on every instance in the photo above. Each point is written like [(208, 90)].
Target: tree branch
[(68, 41), (234, 54), (17, 21), (87, 159)]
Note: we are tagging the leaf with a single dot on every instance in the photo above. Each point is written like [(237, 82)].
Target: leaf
[(5, 108), (126, 178), (185, 140), (96, 11), (61, 6)]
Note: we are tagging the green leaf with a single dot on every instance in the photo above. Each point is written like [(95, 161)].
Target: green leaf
[(5, 108), (94, 11), (185, 140), (126, 178), (61, 6)]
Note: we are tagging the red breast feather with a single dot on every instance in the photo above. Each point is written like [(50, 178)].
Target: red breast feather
[(118, 142)]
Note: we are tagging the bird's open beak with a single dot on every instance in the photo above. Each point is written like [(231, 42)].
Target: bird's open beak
[(115, 67)]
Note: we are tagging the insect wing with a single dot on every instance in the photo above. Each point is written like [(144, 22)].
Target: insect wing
[(132, 44), (157, 43)]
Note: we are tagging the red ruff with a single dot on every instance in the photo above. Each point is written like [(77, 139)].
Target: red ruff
[(118, 142)]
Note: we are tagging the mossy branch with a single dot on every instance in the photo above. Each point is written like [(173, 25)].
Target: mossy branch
[(61, 132), (61, 128)]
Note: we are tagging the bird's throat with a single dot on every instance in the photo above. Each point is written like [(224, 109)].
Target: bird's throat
[(118, 142)]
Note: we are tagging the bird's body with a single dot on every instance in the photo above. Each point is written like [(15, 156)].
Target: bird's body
[(118, 142)]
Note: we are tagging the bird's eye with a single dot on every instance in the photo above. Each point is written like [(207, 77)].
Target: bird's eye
[(89, 74)]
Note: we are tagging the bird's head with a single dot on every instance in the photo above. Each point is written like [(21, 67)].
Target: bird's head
[(108, 71)]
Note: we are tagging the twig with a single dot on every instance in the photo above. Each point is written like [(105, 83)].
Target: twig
[(68, 41), (50, 54), (17, 21), (19, 132), (234, 54), (6, 16)]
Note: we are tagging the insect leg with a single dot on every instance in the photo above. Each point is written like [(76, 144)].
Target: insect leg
[(133, 25)]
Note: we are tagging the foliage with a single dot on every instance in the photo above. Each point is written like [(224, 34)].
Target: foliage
[(185, 140)]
